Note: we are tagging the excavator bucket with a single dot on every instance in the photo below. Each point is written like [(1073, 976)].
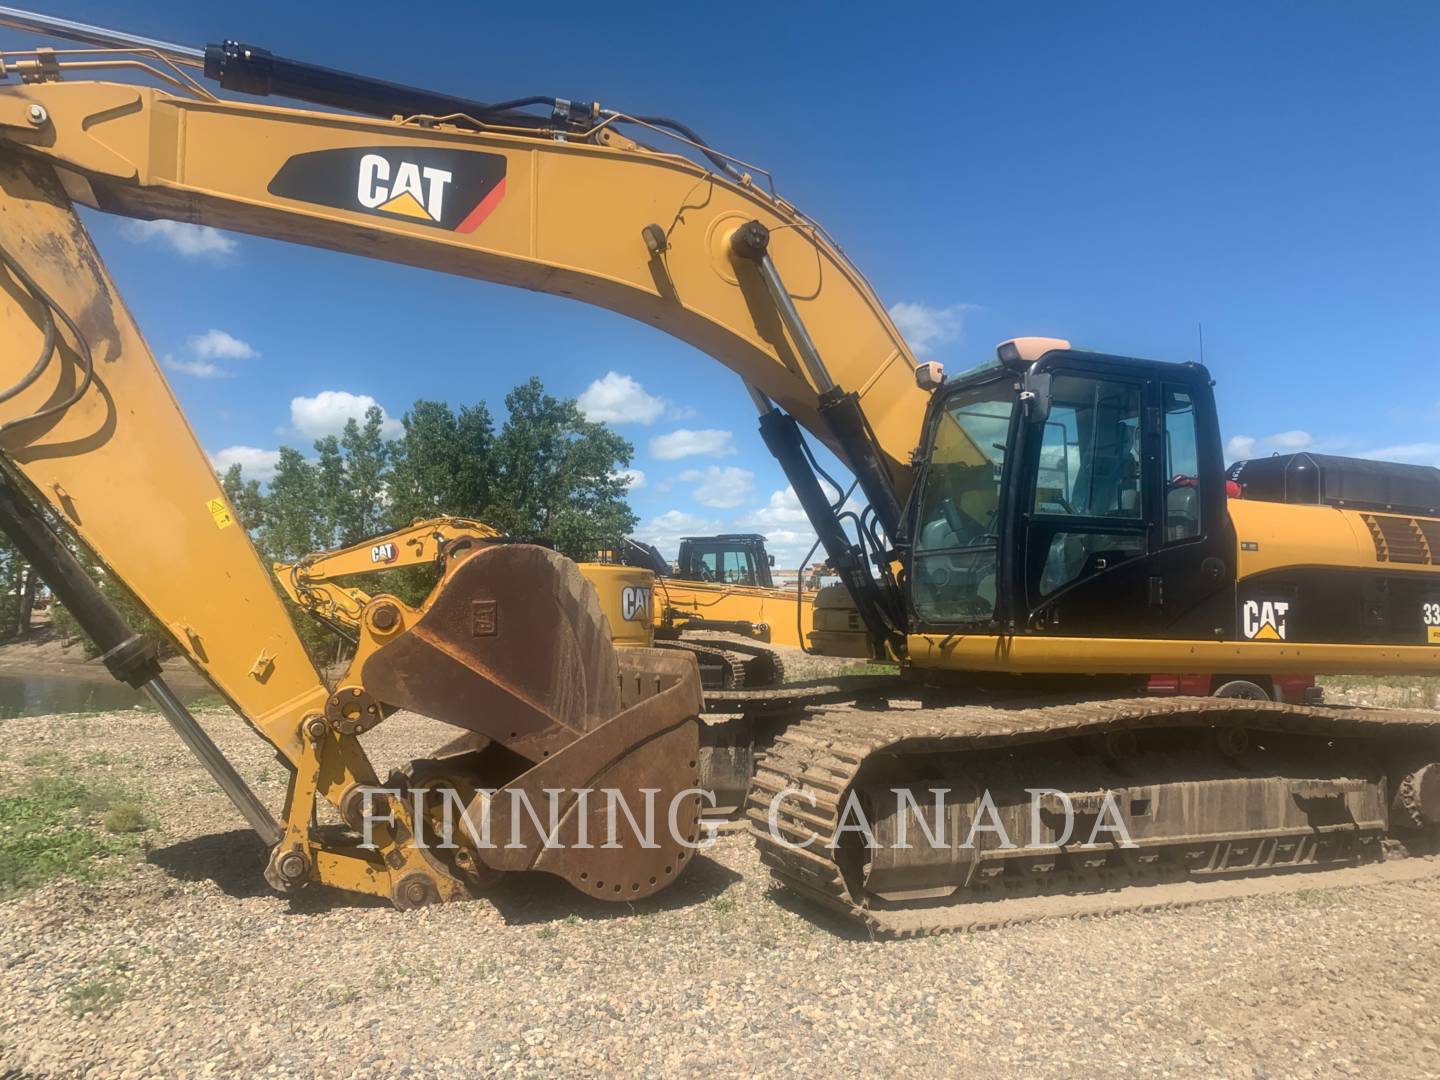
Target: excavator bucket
[(577, 761)]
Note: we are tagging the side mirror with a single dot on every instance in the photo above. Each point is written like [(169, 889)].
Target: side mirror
[(772, 559), (1035, 396)]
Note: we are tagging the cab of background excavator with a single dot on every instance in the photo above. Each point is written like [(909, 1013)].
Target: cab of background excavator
[(727, 559)]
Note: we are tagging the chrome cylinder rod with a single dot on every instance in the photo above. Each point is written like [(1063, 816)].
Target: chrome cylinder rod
[(215, 762), (763, 404), (51, 26)]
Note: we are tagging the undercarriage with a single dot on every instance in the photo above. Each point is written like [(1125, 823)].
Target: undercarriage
[(918, 820)]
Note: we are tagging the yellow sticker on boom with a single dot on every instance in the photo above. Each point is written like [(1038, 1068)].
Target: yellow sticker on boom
[(1434, 634), (220, 512)]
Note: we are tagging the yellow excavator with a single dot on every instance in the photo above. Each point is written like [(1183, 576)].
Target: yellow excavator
[(324, 585), (1036, 530), (720, 584)]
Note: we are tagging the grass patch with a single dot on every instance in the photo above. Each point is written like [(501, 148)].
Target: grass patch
[(45, 759), (723, 905), (871, 667), (125, 817), (99, 995), (59, 826)]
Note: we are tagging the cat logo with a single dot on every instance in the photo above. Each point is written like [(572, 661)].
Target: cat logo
[(447, 189), (417, 191), (1264, 620), (635, 603), (382, 553)]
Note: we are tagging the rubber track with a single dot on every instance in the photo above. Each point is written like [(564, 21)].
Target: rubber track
[(764, 669), (823, 756), (733, 666)]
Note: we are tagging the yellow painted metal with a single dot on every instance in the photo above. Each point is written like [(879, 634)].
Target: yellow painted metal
[(776, 608), (626, 592), (1127, 656), (124, 471), (1289, 535), (570, 223), (837, 627), (627, 596), (312, 583)]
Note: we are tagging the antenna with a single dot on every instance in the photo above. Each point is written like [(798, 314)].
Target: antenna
[(1200, 328)]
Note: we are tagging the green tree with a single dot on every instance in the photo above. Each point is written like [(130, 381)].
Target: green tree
[(549, 473), (557, 474), (366, 470), (332, 490), (245, 496), (18, 586), (293, 523), (442, 464)]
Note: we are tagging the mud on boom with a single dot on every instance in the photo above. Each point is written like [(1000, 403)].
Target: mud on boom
[(1035, 527)]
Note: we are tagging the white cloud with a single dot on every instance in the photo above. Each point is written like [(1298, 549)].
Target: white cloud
[(665, 530), (788, 535), (924, 327), (208, 347), (218, 345), (326, 414), (1290, 440), (634, 478), (723, 487), (200, 369), (1240, 447), (192, 241), (619, 399), (683, 442), (782, 509), (1420, 453), (255, 464), (790, 546)]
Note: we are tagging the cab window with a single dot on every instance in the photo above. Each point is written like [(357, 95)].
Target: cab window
[(955, 556), (1089, 485), (1090, 452), (1182, 469), (726, 566), (737, 569)]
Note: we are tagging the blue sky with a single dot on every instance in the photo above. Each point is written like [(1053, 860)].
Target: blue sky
[(1117, 174)]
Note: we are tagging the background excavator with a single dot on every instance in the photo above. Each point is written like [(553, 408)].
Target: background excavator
[(330, 587), (721, 584), (1036, 531)]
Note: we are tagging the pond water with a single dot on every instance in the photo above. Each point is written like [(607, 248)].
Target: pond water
[(38, 695)]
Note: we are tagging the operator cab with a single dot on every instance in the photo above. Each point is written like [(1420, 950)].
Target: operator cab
[(1072, 493), (728, 559)]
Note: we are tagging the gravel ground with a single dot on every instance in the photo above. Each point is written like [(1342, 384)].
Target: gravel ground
[(196, 969)]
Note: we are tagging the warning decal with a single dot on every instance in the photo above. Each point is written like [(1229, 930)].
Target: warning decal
[(220, 512)]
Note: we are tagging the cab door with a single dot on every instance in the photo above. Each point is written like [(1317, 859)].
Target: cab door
[(1086, 549), (1123, 530), (1196, 573)]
